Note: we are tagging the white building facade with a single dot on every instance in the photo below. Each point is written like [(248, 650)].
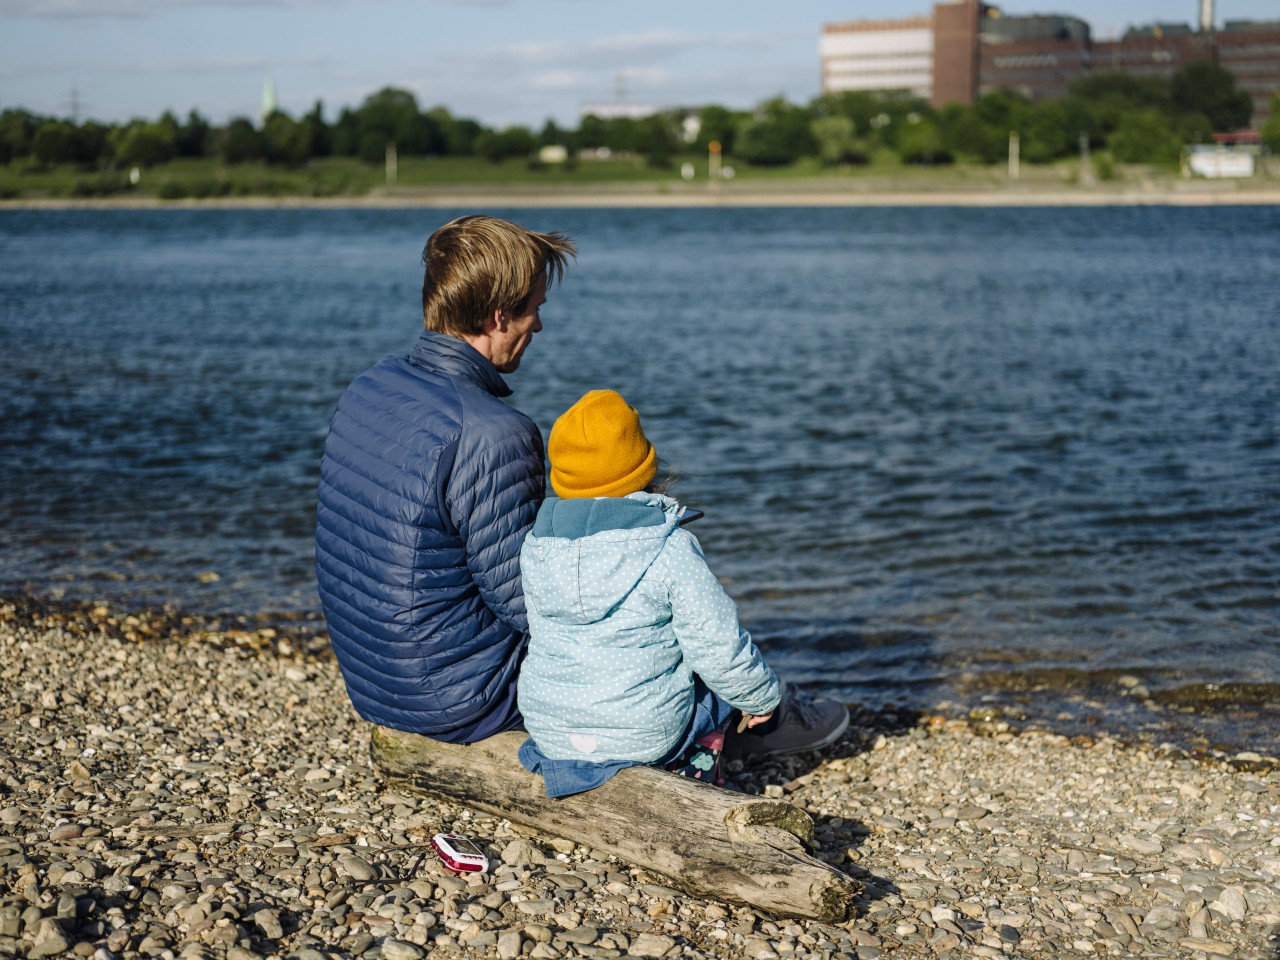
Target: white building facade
[(878, 55)]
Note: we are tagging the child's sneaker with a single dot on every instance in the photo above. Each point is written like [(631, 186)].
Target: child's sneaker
[(800, 723)]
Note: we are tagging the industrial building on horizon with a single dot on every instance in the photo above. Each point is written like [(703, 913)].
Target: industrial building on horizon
[(968, 48)]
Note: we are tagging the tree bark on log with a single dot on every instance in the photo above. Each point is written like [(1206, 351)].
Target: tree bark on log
[(705, 840)]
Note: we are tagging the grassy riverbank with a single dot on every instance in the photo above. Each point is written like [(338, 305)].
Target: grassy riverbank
[(468, 182)]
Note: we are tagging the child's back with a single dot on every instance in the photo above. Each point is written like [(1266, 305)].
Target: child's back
[(623, 612)]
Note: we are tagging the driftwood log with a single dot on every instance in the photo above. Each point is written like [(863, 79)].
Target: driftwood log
[(706, 841)]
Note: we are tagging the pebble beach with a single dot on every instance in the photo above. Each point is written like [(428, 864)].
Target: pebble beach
[(178, 788)]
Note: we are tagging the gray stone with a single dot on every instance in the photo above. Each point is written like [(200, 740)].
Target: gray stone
[(356, 868), (401, 950), (757, 949), (1144, 847), (538, 932), (649, 945), (1215, 948), (510, 944), (521, 852), (580, 935), (49, 940), (1231, 904), (536, 908), (64, 832), (268, 921)]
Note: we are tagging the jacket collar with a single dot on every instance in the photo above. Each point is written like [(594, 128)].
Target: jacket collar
[(439, 351)]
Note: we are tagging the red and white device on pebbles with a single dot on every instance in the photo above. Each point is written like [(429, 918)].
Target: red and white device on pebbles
[(459, 853)]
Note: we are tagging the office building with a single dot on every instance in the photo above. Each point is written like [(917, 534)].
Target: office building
[(965, 49)]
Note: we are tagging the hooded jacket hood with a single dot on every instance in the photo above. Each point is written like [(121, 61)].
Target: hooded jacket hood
[(585, 556)]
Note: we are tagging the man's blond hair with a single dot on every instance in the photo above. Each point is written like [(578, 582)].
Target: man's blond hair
[(478, 264)]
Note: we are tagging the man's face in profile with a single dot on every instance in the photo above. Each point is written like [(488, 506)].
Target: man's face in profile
[(511, 343)]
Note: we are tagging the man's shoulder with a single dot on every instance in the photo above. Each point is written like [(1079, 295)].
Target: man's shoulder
[(487, 421), (394, 400)]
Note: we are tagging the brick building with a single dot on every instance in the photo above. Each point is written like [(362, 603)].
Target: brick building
[(968, 48)]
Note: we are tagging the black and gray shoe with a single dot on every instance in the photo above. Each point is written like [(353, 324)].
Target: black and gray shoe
[(803, 722)]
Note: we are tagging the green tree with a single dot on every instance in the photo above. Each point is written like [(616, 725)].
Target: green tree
[(285, 141), (1209, 89), (93, 144), (457, 135), (857, 106), (655, 140), (593, 132), (54, 142), (778, 133), (169, 128), (497, 146), (1194, 128), (1112, 95), (620, 135), (836, 140), (240, 142), (195, 136), (372, 146), (142, 144), (317, 132), (392, 114), (1144, 136), (344, 135), (719, 124), (920, 140), (1003, 110), (17, 134), (1271, 126), (552, 135), (968, 137), (1052, 129)]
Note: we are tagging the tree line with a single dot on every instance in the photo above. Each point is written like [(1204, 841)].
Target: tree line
[(1137, 119)]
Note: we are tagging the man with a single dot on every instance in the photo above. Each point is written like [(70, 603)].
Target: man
[(428, 486)]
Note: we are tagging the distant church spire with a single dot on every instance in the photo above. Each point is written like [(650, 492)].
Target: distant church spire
[(268, 98)]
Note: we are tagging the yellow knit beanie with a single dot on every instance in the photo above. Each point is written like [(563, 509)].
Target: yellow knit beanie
[(598, 449)]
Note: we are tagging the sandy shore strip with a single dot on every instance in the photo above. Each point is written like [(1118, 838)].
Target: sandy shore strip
[(172, 790), (1178, 193)]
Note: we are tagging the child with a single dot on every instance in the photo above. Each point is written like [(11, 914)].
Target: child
[(635, 652)]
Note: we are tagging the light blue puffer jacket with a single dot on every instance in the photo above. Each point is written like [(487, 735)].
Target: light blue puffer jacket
[(622, 612)]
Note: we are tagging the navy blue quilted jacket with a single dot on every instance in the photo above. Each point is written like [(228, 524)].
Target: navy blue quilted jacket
[(428, 486)]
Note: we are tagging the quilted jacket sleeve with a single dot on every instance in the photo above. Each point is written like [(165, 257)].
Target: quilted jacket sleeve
[(493, 494), (705, 621)]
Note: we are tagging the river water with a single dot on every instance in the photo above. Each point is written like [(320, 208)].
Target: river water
[(1015, 459)]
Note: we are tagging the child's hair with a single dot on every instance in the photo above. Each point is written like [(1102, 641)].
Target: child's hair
[(665, 480)]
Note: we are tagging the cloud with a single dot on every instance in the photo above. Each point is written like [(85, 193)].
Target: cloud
[(259, 66), (555, 81), (601, 52), (138, 9), (214, 66)]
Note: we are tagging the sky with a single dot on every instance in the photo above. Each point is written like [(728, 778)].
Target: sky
[(501, 62)]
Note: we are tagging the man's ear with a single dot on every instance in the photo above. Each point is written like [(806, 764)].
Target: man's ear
[(498, 321)]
